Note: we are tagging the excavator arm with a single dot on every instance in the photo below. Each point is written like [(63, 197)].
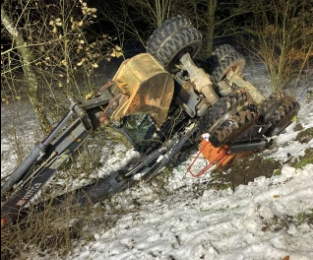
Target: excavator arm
[(47, 157)]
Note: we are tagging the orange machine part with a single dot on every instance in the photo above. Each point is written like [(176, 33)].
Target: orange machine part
[(216, 155), (220, 156)]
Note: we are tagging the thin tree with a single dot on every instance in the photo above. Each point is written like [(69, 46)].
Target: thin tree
[(29, 74)]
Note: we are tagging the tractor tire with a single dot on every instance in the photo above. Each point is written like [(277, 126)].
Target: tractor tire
[(222, 50), (221, 110), (269, 105), (217, 55), (235, 126), (170, 26), (172, 39), (232, 61), (282, 116)]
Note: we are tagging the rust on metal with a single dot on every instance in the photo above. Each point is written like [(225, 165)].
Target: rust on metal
[(147, 86)]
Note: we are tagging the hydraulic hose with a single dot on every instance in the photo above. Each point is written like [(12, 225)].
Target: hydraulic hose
[(20, 171)]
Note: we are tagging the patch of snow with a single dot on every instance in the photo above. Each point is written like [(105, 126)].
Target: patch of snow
[(259, 220), (250, 223)]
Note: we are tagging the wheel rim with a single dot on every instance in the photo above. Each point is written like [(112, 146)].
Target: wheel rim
[(191, 49), (235, 69)]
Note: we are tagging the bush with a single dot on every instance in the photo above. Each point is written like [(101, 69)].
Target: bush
[(62, 50), (281, 35)]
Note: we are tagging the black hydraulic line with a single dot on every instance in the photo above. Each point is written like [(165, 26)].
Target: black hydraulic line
[(147, 160), (63, 150), (61, 124), (35, 156), (248, 146), (150, 165), (169, 154)]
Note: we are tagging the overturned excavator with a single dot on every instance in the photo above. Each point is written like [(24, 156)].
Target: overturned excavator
[(161, 101)]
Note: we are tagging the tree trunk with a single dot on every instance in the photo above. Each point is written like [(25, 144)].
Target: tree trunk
[(210, 26), (29, 74)]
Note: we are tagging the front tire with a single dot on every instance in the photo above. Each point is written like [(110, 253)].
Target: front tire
[(283, 116), (236, 125), (232, 61), (222, 109)]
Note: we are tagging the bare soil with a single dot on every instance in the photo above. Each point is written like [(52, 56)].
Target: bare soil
[(247, 169)]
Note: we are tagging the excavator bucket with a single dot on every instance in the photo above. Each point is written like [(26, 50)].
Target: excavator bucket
[(146, 87)]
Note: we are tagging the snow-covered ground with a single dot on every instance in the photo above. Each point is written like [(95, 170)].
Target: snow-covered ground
[(257, 221), (270, 218)]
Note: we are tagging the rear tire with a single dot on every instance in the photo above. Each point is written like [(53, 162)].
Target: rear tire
[(283, 116), (236, 125), (172, 39), (221, 110), (170, 26)]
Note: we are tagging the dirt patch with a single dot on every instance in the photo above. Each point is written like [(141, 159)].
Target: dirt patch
[(247, 169), (305, 136)]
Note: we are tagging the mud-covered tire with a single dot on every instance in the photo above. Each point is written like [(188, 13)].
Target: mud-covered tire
[(269, 105), (282, 116), (222, 109), (172, 39), (232, 61), (236, 125)]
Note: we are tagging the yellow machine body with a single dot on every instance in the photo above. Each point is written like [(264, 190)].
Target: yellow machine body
[(146, 87)]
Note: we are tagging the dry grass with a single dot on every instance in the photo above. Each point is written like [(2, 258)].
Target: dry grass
[(51, 231), (281, 36), (55, 230)]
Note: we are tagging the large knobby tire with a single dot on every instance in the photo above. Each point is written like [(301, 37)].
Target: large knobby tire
[(269, 105), (282, 116), (217, 55), (170, 26), (172, 39), (222, 109), (235, 126), (222, 50), (232, 61)]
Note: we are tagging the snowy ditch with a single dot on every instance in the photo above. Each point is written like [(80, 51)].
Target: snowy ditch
[(269, 218)]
